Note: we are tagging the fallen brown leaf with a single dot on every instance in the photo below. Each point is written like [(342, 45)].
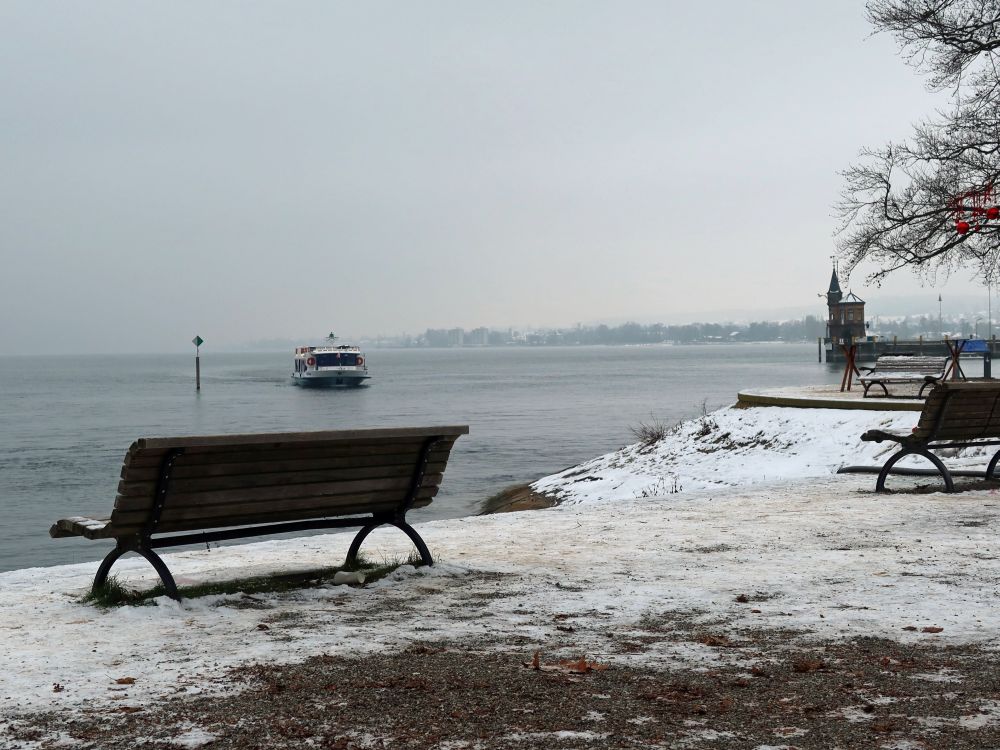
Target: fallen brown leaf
[(807, 665), (932, 629), (576, 666), (422, 648), (714, 640), (125, 680)]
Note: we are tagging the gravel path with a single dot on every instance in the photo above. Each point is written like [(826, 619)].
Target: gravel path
[(773, 691)]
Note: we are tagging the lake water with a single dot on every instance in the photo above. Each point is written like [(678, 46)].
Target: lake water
[(66, 421)]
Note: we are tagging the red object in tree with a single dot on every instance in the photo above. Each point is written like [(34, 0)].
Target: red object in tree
[(993, 213), (961, 227)]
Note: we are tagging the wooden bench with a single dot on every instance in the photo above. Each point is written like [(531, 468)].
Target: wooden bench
[(904, 369), (189, 490), (956, 414)]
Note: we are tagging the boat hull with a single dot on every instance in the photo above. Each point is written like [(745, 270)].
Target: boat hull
[(330, 379)]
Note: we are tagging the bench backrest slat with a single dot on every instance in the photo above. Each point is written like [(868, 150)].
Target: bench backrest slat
[(252, 476), (200, 443), (958, 410), (232, 480)]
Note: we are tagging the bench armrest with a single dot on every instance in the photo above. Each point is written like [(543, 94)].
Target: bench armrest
[(877, 436), (91, 528)]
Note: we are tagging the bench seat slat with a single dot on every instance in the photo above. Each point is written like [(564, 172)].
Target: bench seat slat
[(129, 525), (266, 512), (140, 506)]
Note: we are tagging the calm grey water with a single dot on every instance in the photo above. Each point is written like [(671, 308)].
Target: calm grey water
[(65, 421)]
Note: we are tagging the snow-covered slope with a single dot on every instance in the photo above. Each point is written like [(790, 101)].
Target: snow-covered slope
[(739, 447)]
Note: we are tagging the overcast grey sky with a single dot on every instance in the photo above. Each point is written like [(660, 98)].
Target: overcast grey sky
[(248, 170)]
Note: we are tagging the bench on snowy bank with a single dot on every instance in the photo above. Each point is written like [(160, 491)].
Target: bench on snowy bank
[(956, 414), (191, 490), (904, 369)]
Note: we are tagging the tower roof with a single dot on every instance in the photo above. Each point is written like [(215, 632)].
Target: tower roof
[(834, 282), (852, 297)]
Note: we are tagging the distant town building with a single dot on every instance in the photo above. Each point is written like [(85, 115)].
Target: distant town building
[(846, 319), (456, 337), (478, 337)]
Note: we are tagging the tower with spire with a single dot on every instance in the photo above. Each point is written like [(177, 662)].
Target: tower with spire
[(846, 320)]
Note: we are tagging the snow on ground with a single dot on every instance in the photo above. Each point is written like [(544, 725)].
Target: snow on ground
[(736, 447), (761, 537)]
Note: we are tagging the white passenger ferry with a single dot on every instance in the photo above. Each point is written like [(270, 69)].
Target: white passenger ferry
[(330, 365)]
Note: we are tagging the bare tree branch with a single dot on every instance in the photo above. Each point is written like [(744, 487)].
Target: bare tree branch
[(900, 203)]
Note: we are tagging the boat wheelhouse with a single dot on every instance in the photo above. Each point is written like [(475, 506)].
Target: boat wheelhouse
[(329, 366)]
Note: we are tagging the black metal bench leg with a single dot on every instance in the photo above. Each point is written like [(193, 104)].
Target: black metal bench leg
[(109, 560), (992, 465), (402, 525), (154, 559), (939, 465), (352, 553), (164, 572), (418, 542)]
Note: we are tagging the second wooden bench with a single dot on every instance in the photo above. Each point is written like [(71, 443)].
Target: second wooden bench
[(956, 414), (898, 369)]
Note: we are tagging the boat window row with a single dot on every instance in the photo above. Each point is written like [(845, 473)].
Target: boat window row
[(338, 359)]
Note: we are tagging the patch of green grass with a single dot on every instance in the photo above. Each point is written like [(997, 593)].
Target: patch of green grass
[(113, 593), (116, 594)]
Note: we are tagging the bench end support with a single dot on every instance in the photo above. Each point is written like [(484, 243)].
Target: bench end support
[(154, 559), (938, 464), (399, 523)]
